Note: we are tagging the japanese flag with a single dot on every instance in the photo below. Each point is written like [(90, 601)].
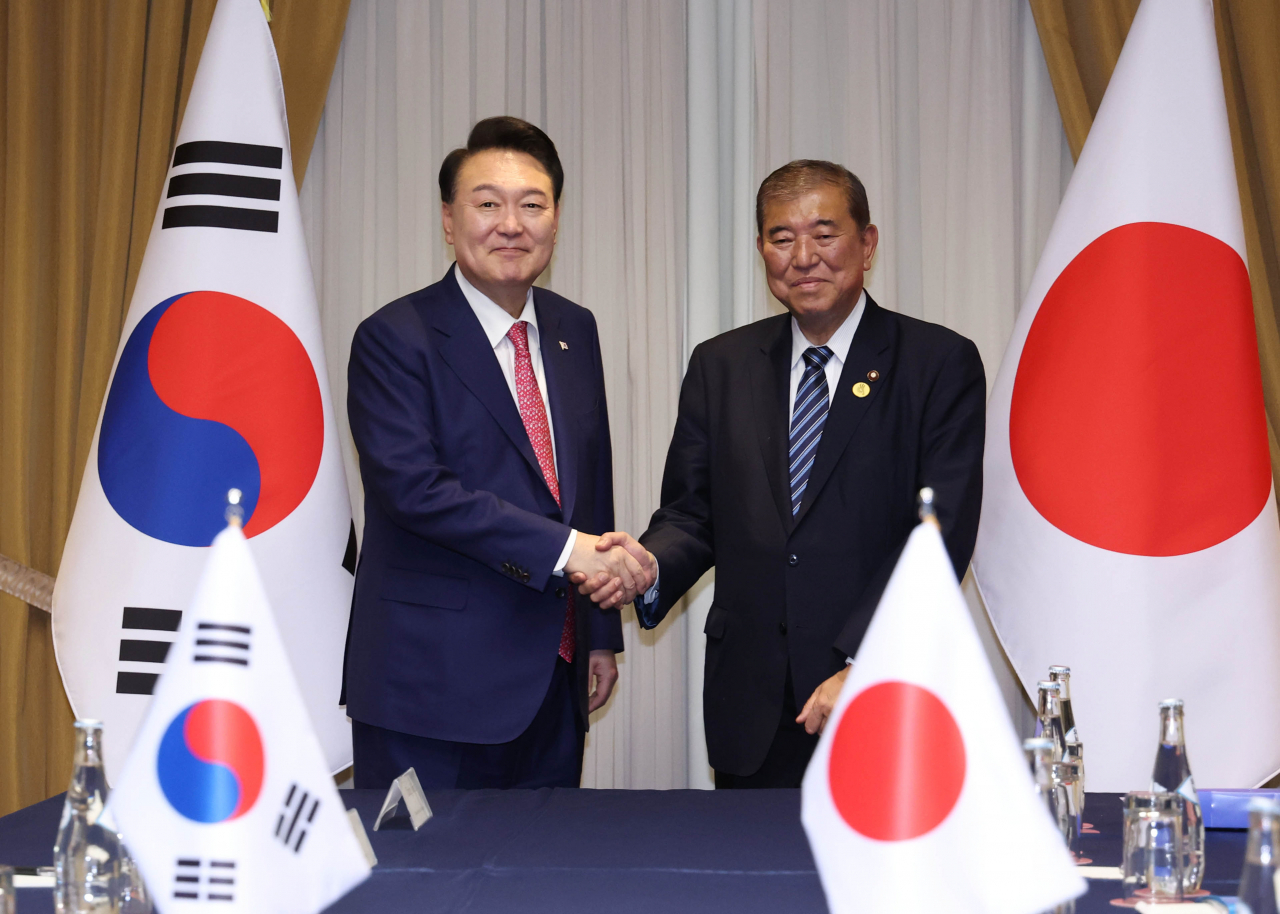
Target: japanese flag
[(1129, 526), (918, 797), (225, 800)]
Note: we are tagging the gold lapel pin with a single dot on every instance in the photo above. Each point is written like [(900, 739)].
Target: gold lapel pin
[(873, 375), (861, 389), (564, 345)]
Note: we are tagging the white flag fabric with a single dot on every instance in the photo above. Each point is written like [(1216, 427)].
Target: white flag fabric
[(219, 383), (225, 799), (1129, 525), (918, 797)]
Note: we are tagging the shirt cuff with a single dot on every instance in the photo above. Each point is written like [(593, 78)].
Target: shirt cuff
[(558, 571), (651, 595)]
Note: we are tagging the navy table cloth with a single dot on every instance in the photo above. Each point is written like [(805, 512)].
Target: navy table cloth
[(559, 851)]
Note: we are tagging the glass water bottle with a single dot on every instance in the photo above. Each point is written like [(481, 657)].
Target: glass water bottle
[(1049, 717), (134, 897), (1071, 736), (1257, 879), (1172, 774), (1039, 752), (86, 855)]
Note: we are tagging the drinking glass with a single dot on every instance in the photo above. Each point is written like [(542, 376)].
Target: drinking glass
[(1065, 777), (7, 900), (1152, 863)]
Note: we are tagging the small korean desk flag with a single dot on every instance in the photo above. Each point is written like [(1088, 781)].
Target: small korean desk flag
[(1129, 522), (918, 797), (219, 383), (225, 799)]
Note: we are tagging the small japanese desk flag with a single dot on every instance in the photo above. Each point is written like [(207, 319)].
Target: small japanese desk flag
[(225, 799), (918, 798)]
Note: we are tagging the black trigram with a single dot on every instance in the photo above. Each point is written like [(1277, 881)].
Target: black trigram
[(139, 650), (222, 184), (296, 817), (217, 880), (221, 642)]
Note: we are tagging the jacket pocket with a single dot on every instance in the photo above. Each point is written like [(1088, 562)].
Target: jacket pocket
[(716, 618), (423, 589)]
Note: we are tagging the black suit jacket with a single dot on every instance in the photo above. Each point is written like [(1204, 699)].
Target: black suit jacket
[(801, 591)]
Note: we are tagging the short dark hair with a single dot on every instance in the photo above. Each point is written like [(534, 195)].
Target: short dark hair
[(803, 175), (503, 133)]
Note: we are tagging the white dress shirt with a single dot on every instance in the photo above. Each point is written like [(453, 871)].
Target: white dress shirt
[(496, 324), (839, 345)]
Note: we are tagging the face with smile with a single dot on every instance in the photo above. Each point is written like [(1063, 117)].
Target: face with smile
[(815, 257), (502, 224)]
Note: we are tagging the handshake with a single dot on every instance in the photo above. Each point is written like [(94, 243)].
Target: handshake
[(612, 569)]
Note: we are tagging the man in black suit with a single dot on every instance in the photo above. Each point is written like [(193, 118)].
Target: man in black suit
[(800, 446)]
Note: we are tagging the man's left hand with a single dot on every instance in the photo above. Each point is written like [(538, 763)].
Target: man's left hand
[(818, 708), (604, 669)]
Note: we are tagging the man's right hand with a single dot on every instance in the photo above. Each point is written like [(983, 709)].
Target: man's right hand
[(613, 573), (612, 591)]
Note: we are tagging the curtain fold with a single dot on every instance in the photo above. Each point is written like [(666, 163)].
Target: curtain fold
[(1082, 41), (93, 94)]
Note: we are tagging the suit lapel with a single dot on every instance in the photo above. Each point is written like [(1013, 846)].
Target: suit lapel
[(467, 351), (870, 350), (562, 396), (770, 388)]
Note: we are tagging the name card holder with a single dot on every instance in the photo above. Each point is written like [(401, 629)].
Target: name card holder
[(408, 788), (362, 838)]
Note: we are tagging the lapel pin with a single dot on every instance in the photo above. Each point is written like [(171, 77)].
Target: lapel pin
[(861, 389), (564, 345), (873, 375)]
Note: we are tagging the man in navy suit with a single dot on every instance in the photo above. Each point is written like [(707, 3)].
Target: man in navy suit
[(478, 409), (799, 448)]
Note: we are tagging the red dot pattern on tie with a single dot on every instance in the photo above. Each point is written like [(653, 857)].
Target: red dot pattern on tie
[(534, 415)]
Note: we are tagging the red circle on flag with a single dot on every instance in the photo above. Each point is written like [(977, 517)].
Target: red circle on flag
[(897, 762), (1137, 421)]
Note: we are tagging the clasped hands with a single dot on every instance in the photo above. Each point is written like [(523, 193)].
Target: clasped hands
[(612, 569)]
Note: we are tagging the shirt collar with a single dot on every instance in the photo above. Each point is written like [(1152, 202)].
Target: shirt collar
[(840, 341), (496, 322)]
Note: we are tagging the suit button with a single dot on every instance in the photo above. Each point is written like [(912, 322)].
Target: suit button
[(782, 628), (507, 569), (562, 592), (793, 559), (524, 576)]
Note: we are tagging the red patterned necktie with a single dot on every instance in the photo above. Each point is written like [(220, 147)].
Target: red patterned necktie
[(534, 415)]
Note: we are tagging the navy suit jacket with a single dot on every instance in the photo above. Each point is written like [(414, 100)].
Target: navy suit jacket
[(798, 592), (457, 617)]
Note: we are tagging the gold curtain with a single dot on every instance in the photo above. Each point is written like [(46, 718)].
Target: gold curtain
[(92, 97), (1082, 40)]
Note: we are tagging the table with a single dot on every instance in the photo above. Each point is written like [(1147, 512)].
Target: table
[(642, 851)]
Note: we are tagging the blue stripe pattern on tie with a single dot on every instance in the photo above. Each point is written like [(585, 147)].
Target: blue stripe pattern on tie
[(812, 402)]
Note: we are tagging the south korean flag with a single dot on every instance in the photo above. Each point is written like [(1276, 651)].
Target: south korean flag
[(225, 797)]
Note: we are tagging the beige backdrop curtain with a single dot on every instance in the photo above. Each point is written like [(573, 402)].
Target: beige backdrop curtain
[(1082, 40), (92, 97)]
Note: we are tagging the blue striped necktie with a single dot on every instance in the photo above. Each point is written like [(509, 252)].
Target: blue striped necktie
[(810, 415)]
